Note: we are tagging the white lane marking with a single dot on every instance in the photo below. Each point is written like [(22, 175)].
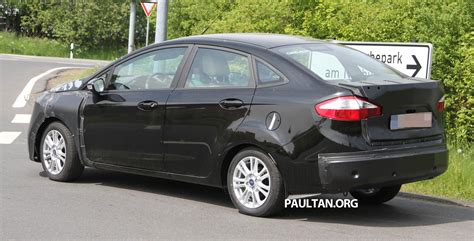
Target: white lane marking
[(7, 137), (21, 118), (25, 93)]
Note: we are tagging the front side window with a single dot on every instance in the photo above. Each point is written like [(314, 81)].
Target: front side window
[(153, 70), (336, 63), (213, 68)]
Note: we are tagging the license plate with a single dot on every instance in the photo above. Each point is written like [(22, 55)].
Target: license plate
[(414, 120)]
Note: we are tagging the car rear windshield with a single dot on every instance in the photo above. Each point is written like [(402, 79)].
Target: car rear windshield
[(332, 62)]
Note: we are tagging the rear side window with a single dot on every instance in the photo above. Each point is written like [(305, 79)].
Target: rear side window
[(214, 68), (337, 63), (266, 75)]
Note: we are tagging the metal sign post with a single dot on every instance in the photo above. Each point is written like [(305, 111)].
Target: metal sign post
[(412, 59), (147, 30), (161, 21), (148, 9), (131, 26)]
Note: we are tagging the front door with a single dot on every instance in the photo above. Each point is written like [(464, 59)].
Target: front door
[(211, 101), (124, 124)]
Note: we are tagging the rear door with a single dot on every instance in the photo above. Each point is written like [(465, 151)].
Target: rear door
[(212, 99), (123, 124)]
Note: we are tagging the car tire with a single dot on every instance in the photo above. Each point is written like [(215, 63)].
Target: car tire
[(255, 182), (58, 154), (375, 196)]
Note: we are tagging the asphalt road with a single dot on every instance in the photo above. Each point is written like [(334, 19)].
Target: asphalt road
[(108, 205)]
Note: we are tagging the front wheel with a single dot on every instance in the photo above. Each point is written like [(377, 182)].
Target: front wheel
[(58, 154), (255, 184), (376, 196)]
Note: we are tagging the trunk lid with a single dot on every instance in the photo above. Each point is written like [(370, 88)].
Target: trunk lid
[(397, 97)]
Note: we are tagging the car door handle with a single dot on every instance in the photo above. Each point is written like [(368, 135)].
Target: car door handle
[(231, 103), (147, 105)]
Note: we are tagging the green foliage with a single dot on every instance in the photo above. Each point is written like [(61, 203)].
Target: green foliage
[(11, 17), (11, 43), (448, 25), (460, 101), (191, 17), (253, 16), (85, 23)]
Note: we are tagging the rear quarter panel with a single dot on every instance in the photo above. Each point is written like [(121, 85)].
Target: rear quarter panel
[(294, 145)]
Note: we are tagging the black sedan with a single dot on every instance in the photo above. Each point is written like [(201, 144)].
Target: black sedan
[(264, 116)]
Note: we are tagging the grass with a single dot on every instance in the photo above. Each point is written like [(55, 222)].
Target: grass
[(11, 43), (457, 182)]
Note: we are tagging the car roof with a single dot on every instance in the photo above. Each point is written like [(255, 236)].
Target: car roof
[(263, 40)]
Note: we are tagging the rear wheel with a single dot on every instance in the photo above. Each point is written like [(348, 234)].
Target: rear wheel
[(255, 184), (376, 196), (58, 154)]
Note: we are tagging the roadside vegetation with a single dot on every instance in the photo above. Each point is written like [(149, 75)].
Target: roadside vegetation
[(48, 27), (457, 182), (12, 43)]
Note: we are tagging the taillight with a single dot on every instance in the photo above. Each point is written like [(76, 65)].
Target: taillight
[(348, 108), (440, 104)]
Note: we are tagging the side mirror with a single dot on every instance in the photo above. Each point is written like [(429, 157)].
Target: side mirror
[(96, 86)]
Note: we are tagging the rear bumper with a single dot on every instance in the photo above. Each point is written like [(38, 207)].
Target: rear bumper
[(341, 172)]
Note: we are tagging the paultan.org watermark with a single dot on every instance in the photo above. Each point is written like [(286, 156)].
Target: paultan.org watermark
[(321, 203)]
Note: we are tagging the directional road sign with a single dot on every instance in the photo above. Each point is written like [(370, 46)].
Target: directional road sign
[(412, 59)]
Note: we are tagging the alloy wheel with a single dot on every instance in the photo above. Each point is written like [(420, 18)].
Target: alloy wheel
[(54, 152), (251, 182)]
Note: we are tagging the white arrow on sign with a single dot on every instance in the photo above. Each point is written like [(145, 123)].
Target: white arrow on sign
[(412, 59)]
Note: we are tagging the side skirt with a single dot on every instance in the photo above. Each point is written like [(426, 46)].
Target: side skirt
[(158, 174)]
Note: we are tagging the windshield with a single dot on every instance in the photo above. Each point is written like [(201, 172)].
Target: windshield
[(332, 62)]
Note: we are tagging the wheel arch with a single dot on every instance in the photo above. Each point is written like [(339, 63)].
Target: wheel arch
[(230, 155)]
